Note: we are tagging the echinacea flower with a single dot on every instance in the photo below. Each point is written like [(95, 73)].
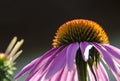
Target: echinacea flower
[(80, 50), (7, 60)]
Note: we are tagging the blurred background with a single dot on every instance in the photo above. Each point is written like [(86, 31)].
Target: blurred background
[(36, 21)]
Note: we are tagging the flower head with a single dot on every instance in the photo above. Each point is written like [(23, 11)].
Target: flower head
[(80, 49), (7, 59)]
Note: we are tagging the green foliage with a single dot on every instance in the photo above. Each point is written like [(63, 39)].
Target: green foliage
[(6, 70)]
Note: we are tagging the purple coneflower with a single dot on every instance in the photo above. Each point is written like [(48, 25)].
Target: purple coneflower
[(80, 50)]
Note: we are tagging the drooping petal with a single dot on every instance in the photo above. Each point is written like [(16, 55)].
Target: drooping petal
[(71, 54), (51, 58), (58, 63), (34, 64), (115, 52), (26, 68), (45, 58), (91, 76), (71, 74), (61, 75), (106, 56), (76, 75), (57, 76), (64, 74), (100, 77), (103, 72), (99, 74), (116, 75), (41, 66), (85, 47), (38, 75)]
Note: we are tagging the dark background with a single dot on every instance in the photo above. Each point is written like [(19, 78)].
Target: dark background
[(36, 21)]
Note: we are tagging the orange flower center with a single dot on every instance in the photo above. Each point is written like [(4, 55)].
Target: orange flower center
[(78, 31)]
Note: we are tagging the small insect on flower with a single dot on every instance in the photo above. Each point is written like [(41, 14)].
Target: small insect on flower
[(80, 50), (7, 60)]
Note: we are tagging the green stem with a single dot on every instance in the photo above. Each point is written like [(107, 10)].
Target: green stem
[(81, 67)]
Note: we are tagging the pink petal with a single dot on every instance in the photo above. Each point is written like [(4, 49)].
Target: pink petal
[(60, 75), (72, 74), (76, 75), (26, 68), (106, 55), (45, 57), (96, 73), (99, 75), (51, 58), (71, 54), (38, 75), (58, 63), (41, 66), (56, 76), (64, 74), (36, 64), (85, 47), (115, 52), (91, 76), (103, 72)]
